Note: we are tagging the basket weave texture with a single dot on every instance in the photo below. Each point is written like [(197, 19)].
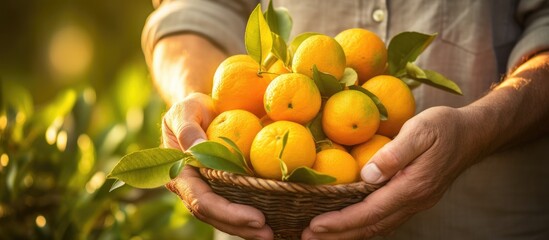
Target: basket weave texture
[(288, 207)]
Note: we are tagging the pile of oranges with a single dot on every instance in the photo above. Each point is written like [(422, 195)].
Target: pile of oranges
[(266, 112)]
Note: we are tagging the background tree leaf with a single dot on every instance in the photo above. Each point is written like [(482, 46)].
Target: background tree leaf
[(149, 168), (309, 176), (406, 47), (431, 78), (327, 84), (258, 38), (382, 110), (215, 155)]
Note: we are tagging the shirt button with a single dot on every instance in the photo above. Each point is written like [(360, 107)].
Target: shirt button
[(378, 15)]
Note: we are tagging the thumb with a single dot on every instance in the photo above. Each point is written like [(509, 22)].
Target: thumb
[(393, 157)]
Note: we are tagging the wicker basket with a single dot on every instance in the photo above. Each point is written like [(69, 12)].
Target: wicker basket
[(288, 207)]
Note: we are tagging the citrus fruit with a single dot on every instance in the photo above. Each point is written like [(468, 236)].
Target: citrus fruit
[(237, 85), (322, 51), (350, 117), (397, 98), (238, 125), (337, 163), (364, 51), (364, 151), (330, 145), (267, 145), (293, 97), (278, 68)]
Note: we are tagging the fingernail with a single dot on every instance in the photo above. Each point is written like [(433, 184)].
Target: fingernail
[(371, 174), (254, 224), (197, 141), (319, 230)]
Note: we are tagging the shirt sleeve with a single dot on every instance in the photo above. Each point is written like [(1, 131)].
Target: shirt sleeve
[(534, 17), (222, 22)]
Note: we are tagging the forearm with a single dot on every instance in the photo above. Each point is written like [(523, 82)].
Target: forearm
[(183, 64), (515, 111)]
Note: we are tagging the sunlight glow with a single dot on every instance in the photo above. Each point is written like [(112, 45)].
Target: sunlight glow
[(40, 221), (70, 51), (4, 160), (134, 119), (95, 182), (3, 122), (62, 140)]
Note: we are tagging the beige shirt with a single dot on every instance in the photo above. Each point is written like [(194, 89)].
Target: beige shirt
[(506, 196)]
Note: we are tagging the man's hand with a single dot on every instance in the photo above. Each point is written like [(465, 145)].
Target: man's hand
[(430, 151), (183, 126)]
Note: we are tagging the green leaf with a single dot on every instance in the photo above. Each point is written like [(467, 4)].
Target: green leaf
[(215, 155), (116, 185), (258, 38), (299, 39), (382, 110), (279, 21), (350, 77), (238, 154), (283, 166), (412, 84), (309, 176), (280, 50), (431, 78), (406, 47), (327, 84), (176, 168), (149, 168), (315, 127)]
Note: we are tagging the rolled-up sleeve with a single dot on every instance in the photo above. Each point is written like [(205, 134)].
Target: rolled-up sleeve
[(222, 22), (534, 16)]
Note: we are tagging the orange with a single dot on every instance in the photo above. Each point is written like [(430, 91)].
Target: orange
[(364, 151), (397, 98), (237, 85), (350, 117), (278, 68), (337, 163), (292, 97), (238, 125), (329, 145), (364, 51), (322, 51), (299, 151)]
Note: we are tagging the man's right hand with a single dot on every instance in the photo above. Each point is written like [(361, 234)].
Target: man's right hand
[(182, 127)]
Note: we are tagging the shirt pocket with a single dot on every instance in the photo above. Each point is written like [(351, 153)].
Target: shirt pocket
[(476, 26)]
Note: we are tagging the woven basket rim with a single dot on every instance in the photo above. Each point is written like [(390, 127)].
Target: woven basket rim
[(271, 185)]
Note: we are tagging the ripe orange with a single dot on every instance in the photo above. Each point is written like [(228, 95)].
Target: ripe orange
[(350, 117), (338, 164), (237, 85), (397, 98), (330, 145), (364, 151), (278, 68), (292, 97), (299, 151), (364, 51), (322, 51), (238, 125)]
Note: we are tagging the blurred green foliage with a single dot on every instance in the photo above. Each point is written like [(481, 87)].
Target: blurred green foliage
[(75, 97)]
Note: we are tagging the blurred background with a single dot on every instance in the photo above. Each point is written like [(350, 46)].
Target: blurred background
[(76, 97)]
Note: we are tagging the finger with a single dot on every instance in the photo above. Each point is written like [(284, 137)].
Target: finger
[(207, 205), (384, 227), (397, 154), (377, 206), (264, 232)]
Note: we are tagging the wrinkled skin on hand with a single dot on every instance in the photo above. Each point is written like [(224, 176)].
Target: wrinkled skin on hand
[(183, 126), (428, 154)]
